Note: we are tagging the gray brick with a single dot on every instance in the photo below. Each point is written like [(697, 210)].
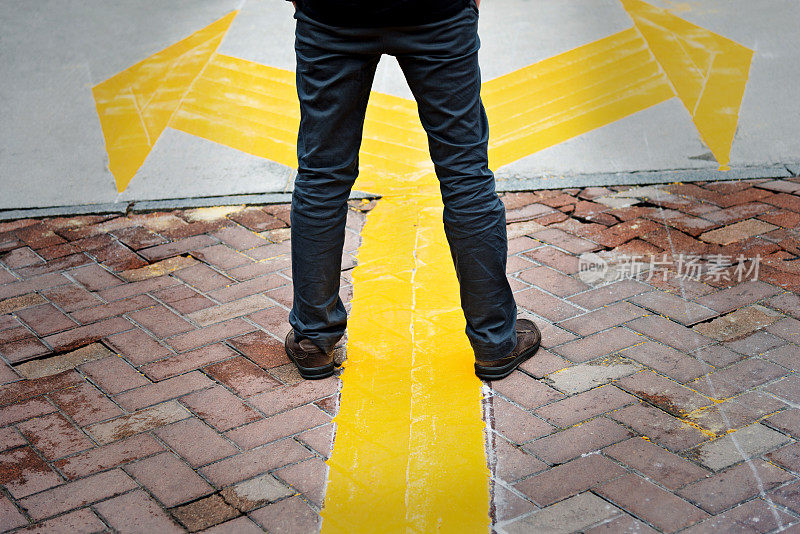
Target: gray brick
[(753, 440)]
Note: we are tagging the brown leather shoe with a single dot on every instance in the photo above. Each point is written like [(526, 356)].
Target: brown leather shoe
[(528, 339), (310, 360)]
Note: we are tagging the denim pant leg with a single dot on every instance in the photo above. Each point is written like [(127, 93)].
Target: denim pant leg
[(333, 88), (441, 67)]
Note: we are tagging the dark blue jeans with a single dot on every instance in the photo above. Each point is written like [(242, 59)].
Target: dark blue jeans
[(335, 70)]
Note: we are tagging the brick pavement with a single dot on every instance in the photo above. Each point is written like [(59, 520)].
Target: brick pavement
[(150, 344)]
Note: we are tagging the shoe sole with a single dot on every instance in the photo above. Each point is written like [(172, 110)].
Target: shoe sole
[(312, 373), (498, 373)]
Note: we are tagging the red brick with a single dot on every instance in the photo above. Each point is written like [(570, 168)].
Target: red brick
[(85, 404), (137, 237), (204, 513), (669, 332), (180, 486), (138, 347), (553, 281), (54, 436), (599, 344), (20, 411), (578, 440), (240, 238), (243, 376), (136, 512), (203, 277), (172, 388), (161, 322), (675, 241), (132, 289), (23, 473), (23, 349), (22, 287), (239, 525), (511, 462), (275, 320), (84, 335), (222, 256), (669, 470), (735, 297), (544, 363), (664, 393), (113, 375), (83, 520), (176, 248), (108, 456), (564, 241), (780, 217), (546, 305), (308, 478), (10, 516), (59, 264), (95, 278), (621, 523), (220, 408), (118, 257), (278, 426), (25, 389), (245, 289), (646, 500), (526, 391), (304, 392), (210, 334), (269, 251), (196, 442), (785, 201), (250, 463), (553, 257), (79, 493), (602, 318), (624, 231), (292, 516), (723, 490), (71, 297), (260, 268), (659, 427), (256, 219), (515, 424), (21, 257), (738, 377), (137, 422), (568, 479), (38, 236), (187, 361), (320, 439), (737, 213), (119, 307), (586, 405), (666, 360), (786, 388), (10, 438)]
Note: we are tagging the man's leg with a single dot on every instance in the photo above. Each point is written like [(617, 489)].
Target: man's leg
[(334, 77), (440, 63)]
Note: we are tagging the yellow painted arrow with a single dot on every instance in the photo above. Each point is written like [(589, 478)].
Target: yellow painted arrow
[(253, 107), (409, 450)]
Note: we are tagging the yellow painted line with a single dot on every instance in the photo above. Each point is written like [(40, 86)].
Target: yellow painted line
[(409, 450)]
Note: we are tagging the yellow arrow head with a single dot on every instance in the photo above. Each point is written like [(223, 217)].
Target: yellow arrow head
[(136, 105), (708, 72)]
